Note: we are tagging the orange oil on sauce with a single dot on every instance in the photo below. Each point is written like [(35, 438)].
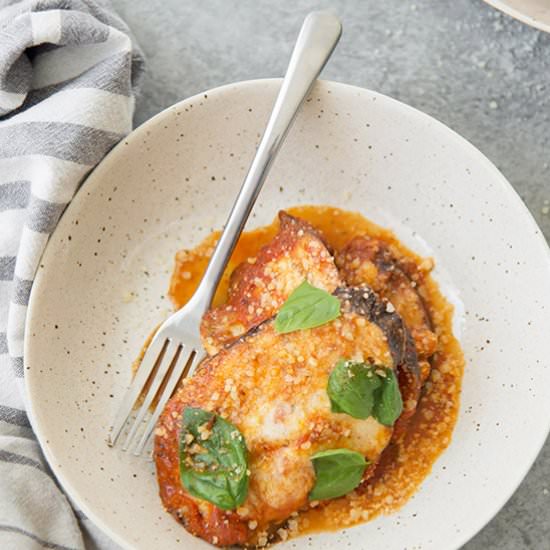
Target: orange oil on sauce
[(337, 226), (407, 462)]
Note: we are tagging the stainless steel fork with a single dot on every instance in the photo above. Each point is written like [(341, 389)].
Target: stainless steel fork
[(175, 349)]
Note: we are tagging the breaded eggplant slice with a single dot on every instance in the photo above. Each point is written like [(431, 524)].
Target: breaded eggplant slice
[(259, 287), (273, 388), (366, 260)]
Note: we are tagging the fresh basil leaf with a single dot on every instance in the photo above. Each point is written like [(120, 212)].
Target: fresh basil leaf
[(352, 387), (306, 307), (362, 390), (389, 404), (213, 459), (337, 472)]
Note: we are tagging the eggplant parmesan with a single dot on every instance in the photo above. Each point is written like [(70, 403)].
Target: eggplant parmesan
[(330, 360)]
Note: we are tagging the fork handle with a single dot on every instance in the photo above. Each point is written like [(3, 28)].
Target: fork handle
[(317, 39)]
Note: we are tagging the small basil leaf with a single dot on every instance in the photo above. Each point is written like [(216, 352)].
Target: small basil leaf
[(214, 468), (362, 390), (388, 404), (306, 307), (352, 388), (337, 472)]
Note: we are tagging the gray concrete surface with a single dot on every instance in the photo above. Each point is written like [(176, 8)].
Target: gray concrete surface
[(480, 72)]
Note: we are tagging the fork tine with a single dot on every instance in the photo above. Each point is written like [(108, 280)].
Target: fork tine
[(184, 360), (167, 359), (145, 368), (199, 356)]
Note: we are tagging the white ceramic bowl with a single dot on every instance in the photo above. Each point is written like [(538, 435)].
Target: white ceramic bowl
[(533, 12), (104, 276)]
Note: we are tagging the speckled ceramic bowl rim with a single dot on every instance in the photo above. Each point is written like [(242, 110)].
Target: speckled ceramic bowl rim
[(505, 188), (530, 20)]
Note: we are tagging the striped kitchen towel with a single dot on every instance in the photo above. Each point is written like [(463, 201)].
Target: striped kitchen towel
[(68, 71)]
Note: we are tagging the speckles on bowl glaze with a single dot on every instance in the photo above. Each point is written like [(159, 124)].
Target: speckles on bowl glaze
[(391, 164)]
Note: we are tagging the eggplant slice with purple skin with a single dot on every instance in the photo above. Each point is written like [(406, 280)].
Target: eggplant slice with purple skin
[(364, 300), (370, 261)]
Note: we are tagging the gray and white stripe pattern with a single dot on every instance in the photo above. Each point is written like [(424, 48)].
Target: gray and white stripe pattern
[(68, 72)]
